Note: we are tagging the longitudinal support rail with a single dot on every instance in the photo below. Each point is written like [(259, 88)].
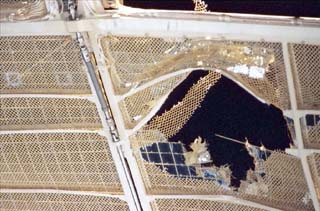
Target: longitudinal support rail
[(125, 173), (297, 126), (108, 116), (104, 105)]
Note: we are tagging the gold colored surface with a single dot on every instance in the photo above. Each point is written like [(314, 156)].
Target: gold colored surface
[(59, 201), (130, 56), (285, 182), (135, 60), (200, 5), (198, 204), (305, 65), (66, 161), (171, 121), (314, 164), (135, 107), (48, 113), (42, 64), (311, 136)]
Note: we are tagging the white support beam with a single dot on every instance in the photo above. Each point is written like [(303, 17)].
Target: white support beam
[(180, 25), (24, 28), (116, 154), (168, 28), (297, 126), (124, 144), (306, 152), (300, 113)]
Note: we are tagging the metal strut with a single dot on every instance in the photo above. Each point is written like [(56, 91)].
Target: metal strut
[(104, 105), (86, 57)]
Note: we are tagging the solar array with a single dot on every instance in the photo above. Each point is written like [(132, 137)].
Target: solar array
[(77, 101), (169, 157)]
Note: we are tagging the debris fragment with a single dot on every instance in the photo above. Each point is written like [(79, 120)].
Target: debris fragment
[(199, 154)]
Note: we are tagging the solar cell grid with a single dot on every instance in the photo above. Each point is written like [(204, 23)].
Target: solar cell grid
[(169, 157), (312, 120)]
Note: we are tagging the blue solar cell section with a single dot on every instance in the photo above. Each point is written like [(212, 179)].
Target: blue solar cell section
[(192, 171), (145, 157), (209, 174), (171, 169), (183, 170), (167, 158), (154, 157), (177, 148), (312, 120), (152, 148), (179, 158), (164, 147)]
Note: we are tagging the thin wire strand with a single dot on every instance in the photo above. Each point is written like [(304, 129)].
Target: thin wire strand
[(240, 142)]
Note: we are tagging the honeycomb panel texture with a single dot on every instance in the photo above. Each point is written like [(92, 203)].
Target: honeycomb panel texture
[(171, 121), (305, 66), (199, 205), (60, 201), (282, 170), (287, 186), (159, 182), (41, 64), (314, 163), (73, 161), (284, 180), (134, 60), (130, 56), (48, 113), (311, 136), (136, 106)]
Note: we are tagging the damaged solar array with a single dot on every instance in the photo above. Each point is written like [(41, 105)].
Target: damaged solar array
[(135, 60), (42, 113), (169, 157), (163, 164)]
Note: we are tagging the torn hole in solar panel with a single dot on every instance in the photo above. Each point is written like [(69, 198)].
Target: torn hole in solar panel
[(173, 158), (154, 57), (196, 164)]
